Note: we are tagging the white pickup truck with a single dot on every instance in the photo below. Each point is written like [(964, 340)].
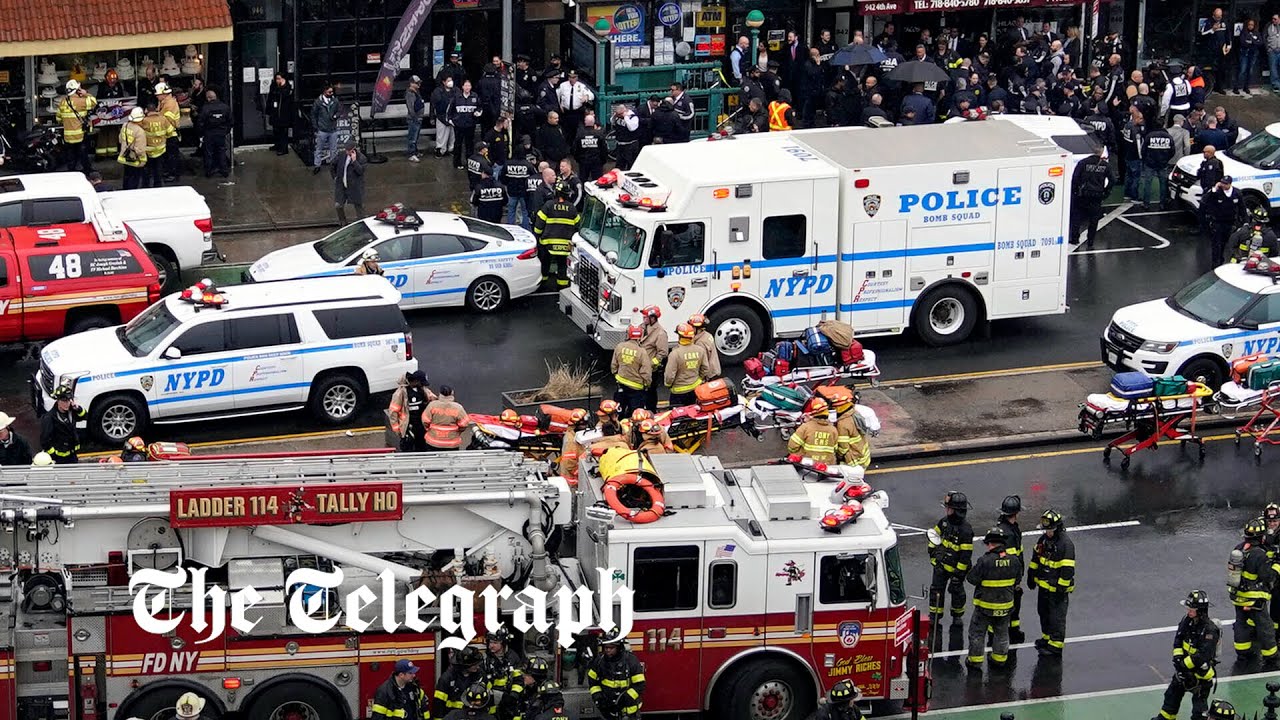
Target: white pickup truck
[(173, 223)]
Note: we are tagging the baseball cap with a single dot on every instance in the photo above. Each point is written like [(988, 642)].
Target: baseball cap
[(1226, 180), (417, 376), (403, 666), (415, 79)]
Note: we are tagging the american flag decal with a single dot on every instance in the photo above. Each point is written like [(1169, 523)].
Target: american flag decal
[(726, 551)]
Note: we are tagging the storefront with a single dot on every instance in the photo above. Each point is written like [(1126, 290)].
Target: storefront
[(110, 59), (994, 18)]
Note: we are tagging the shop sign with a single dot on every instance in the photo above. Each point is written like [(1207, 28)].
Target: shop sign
[(882, 7), (717, 45), (702, 46), (373, 59), (947, 5), (669, 14), (626, 22), (709, 17)]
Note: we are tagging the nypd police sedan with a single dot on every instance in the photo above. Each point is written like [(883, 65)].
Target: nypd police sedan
[(433, 259)]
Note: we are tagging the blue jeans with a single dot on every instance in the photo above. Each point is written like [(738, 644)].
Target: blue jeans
[(326, 147), (1274, 58), (1160, 176), (415, 127), (1132, 176), (1246, 69), (518, 205)]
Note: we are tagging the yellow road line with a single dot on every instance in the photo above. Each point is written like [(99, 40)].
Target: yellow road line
[(995, 373)]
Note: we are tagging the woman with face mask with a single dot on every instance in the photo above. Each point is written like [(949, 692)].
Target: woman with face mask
[(440, 100)]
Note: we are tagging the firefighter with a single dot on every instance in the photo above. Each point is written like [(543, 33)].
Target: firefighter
[(841, 702), (686, 369), (781, 116), (1222, 710), (554, 226), (658, 344), (169, 109), (477, 703), (1254, 632), (189, 707), (1255, 236), (653, 439), (1195, 652), (1271, 516), (133, 149), (464, 672), (632, 368), (405, 412), (707, 341), (551, 705), (400, 696), (635, 436), (58, 434), (1052, 571), (501, 663), (75, 112), (135, 450), (950, 552), (608, 420), (570, 448), (852, 444), (616, 680), (444, 420), (158, 131), (816, 439), (14, 450), (1008, 522), (524, 704), (994, 577), (369, 264)]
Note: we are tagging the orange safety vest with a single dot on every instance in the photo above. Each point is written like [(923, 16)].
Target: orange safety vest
[(445, 421), (778, 116)]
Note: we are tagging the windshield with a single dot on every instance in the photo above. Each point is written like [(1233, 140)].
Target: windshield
[(488, 230), (344, 243), (144, 332), (1210, 300), (606, 231), (893, 570), (1261, 150)]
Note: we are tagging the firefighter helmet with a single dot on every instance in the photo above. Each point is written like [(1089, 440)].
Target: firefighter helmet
[(651, 311), (1197, 599), (189, 706), (843, 692), (955, 500), (561, 189), (685, 331), (635, 332), (135, 444), (477, 696), (162, 89), (112, 75), (608, 407), (501, 634), (995, 535), (639, 415), (549, 690), (577, 416), (1051, 519), (1221, 710), (369, 255), (72, 86), (1255, 528), (818, 407), (619, 642), (649, 427), (1011, 505), (538, 669), (470, 656), (698, 321), (1271, 512), (1259, 214), (510, 417), (41, 459)]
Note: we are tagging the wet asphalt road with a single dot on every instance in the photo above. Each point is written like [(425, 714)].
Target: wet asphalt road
[(1168, 525), (481, 356)]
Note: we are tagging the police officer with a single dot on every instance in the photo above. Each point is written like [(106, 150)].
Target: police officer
[(215, 125), (589, 148), (950, 553), (687, 368), (707, 341), (1253, 629), (1102, 126), (1222, 207), (616, 681), (476, 702), (551, 704), (626, 133), (554, 227), (400, 696), (466, 671), (841, 702), (632, 369), (658, 344), (816, 439), (58, 434), (1090, 185), (479, 166), (1195, 652), (1052, 571), (517, 174), (1008, 524), (490, 200), (1157, 153), (994, 578), (1177, 94), (1255, 236)]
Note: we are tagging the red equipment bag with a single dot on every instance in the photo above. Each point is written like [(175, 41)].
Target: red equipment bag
[(781, 367), (754, 368), (852, 354), (835, 395), (715, 395)]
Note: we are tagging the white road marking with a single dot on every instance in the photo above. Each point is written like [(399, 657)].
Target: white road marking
[(1104, 250), (1150, 213), (1086, 638), (1106, 219), (1074, 529), (1163, 243)]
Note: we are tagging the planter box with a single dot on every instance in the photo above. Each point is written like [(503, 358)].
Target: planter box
[(590, 402)]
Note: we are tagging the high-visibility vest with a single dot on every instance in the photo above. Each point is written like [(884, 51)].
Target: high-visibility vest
[(778, 116), (158, 130)]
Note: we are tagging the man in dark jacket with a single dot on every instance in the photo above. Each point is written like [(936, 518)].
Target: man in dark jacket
[(490, 91), (400, 696), (479, 167), (452, 71), (489, 200), (1090, 185), (1223, 208), (324, 121), (644, 114), (348, 181), (811, 87), (872, 109), (58, 434), (215, 127), (279, 113), (666, 126), (550, 139), (922, 105), (1131, 153), (1157, 154), (498, 138), (14, 451), (751, 119), (441, 101), (516, 177), (589, 148), (842, 105)]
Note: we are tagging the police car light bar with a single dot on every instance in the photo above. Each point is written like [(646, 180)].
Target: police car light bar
[(203, 295), (834, 520), (1259, 264), (399, 216)]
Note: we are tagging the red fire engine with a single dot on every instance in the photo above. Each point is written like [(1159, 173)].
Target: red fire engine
[(747, 603)]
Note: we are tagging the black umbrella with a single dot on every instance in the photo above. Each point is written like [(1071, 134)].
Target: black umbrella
[(857, 55), (918, 71)]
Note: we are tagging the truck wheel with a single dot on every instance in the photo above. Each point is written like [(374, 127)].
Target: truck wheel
[(739, 333), (167, 266), (115, 418), (158, 704), (89, 322), (487, 294), (336, 398), (945, 315), (769, 690), (294, 701), (1204, 370)]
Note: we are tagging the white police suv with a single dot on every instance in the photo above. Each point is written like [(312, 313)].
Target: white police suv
[(433, 259), (1253, 164), (210, 353), (1221, 316)]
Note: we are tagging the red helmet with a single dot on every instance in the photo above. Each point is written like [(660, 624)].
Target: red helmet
[(698, 321), (640, 415), (608, 407), (634, 332), (649, 427), (510, 417), (818, 406), (685, 330), (577, 416), (651, 311), (135, 444)]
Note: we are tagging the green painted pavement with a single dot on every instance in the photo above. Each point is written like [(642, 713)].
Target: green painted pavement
[(1245, 693)]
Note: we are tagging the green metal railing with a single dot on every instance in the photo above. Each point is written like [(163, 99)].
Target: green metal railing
[(712, 97)]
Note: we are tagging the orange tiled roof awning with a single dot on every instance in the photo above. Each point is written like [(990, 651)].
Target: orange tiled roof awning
[(56, 27)]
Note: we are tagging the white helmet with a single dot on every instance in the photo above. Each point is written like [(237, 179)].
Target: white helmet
[(137, 114), (370, 255), (73, 85), (162, 89), (189, 705), (41, 459)]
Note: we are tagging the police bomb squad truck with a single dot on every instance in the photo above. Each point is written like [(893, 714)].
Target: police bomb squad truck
[(934, 227)]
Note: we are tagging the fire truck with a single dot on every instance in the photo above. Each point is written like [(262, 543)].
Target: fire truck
[(747, 602)]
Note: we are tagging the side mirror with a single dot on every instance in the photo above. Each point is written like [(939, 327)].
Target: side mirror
[(1247, 324), (611, 257), (172, 353)]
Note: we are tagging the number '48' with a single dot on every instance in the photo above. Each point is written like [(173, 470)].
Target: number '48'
[(65, 266)]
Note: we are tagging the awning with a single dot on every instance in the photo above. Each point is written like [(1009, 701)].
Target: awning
[(59, 27), (894, 7)]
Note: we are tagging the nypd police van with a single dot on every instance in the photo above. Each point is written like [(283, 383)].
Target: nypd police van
[(243, 350), (936, 228), (1221, 316)]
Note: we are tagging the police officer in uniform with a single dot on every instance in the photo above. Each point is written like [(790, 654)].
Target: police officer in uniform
[(215, 125), (994, 578), (1052, 571), (1177, 93), (479, 166), (1195, 652), (1090, 185), (950, 552), (1008, 524), (516, 176), (1222, 207), (466, 671), (400, 696), (616, 681), (1157, 152), (626, 132), (589, 149), (1255, 236), (841, 702), (490, 200), (1254, 632), (554, 226)]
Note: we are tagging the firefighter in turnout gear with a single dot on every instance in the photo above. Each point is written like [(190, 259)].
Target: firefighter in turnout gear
[(158, 131), (607, 415), (58, 434), (75, 112), (524, 704), (841, 702), (653, 438), (477, 703), (1008, 522), (994, 578), (1052, 571), (1195, 652), (551, 703), (816, 439), (616, 680), (570, 448), (502, 670), (405, 411), (687, 368), (1251, 594), (950, 552), (658, 344), (400, 696), (1271, 516), (1255, 236), (466, 671), (632, 369), (852, 445), (554, 226), (707, 341)]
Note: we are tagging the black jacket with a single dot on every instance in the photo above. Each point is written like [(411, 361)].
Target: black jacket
[(462, 111), (215, 118), (16, 453), (666, 126), (490, 200), (1092, 179), (58, 434), (280, 105), (1209, 173), (352, 191), (551, 142), (1195, 647), (477, 167), (393, 701), (1157, 149), (1223, 209), (589, 147)]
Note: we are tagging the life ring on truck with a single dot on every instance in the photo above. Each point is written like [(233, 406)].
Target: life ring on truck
[(616, 489)]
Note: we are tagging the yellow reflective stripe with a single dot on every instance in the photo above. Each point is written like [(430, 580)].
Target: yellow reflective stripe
[(685, 388), (1064, 581), (618, 684), (1248, 575), (386, 711), (1000, 583), (637, 678), (1063, 563), (442, 696), (629, 383), (993, 606), (559, 221)]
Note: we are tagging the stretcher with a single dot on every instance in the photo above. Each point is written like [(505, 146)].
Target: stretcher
[(1264, 421), (1235, 398), (1148, 420), (863, 371)]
